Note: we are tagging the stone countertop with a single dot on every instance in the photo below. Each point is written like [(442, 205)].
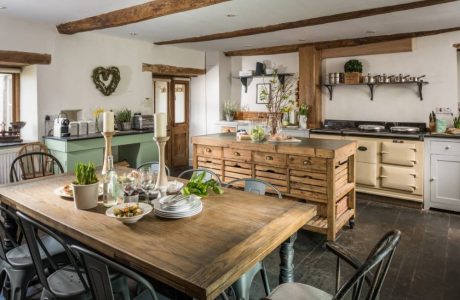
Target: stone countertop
[(96, 135), (442, 135), (14, 144)]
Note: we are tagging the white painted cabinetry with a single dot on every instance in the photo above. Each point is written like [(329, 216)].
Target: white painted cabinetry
[(442, 182)]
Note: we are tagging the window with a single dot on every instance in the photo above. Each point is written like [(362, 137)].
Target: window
[(9, 97)]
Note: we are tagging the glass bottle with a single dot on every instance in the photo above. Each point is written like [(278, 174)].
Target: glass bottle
[(111, 188)]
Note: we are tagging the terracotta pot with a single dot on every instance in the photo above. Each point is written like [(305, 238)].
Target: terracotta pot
[(85, 196)]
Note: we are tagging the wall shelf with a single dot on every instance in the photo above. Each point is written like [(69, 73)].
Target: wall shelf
[(420, 84), (245, 79)]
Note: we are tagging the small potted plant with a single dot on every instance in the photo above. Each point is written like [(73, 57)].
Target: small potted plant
[(86, 187), (229, 110), (124, 118), (353, 70), (303, 115)]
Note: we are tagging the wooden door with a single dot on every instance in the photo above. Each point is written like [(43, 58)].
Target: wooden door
[(444, 181), (179, 123)]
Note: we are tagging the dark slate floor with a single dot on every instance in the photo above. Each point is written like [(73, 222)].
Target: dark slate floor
[(426, 264)]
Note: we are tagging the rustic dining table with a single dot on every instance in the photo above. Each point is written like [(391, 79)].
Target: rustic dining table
[(200, 256)]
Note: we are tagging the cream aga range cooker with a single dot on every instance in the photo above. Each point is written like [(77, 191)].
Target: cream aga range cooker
[(389, 159)]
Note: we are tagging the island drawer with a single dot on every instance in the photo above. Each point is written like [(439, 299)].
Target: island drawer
[(209, 151), (273, 175), (213, 164), (445, 147), (238, 154), (273, 159), (307, 163), (236, 170)]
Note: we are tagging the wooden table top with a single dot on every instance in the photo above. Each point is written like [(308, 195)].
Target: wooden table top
[(200, 256)]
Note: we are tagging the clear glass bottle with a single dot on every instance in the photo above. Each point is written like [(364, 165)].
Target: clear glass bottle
[(111, 188)]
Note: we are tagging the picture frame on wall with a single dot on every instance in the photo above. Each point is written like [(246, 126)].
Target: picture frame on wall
[(260, 87)]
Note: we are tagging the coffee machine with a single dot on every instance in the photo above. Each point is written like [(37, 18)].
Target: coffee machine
[(61, 126)]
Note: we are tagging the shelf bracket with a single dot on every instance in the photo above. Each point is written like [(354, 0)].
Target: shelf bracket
[(330, 88), (281, 78), (371, 88), (420, 88), (244, 82)]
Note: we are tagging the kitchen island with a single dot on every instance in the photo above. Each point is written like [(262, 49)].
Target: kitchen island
[(134, 146), (318, 171)]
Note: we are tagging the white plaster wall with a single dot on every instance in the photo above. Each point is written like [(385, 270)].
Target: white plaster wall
[(458, 77), (29, 104), (286, 63), (66, 83), (433, 56)]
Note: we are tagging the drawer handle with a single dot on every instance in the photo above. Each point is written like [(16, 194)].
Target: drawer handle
[(307, 162), (208, 150), (236, 153), (447, 147), (268, 157)]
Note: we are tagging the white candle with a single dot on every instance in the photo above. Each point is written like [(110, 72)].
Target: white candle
[(160, 124), (108, 119)]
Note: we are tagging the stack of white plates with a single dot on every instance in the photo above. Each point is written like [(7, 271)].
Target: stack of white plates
[(168, 207)]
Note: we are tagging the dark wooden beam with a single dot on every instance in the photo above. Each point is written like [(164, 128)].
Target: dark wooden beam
[(308, 22), (134, 14), (165, 70), (338, 43), (20, 59)]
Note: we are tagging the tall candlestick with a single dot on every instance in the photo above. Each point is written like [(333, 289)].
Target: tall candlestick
[(160, 124), (108, 119), (162, 178), (108, 150)]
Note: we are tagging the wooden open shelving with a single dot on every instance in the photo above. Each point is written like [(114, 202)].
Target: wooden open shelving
[(245, 79)]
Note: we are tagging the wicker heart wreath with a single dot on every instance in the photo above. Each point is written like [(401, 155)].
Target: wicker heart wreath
[(101, 77)]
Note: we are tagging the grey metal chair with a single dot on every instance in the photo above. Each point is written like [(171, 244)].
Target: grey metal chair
[(61, 281), (16, 265), (242, 286), (97, 270), (379, 260), (155, 166), (209, 174)]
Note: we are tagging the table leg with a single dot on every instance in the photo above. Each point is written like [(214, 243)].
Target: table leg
[(11, 227), (287, 260)]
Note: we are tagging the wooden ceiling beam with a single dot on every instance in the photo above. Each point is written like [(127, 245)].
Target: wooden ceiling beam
[(396, 46), (20, 59), (134, 14), (338, 43), (308, 22), (166, 70)]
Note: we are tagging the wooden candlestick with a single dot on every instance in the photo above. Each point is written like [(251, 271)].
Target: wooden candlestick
[(162, 178), (108, 149)]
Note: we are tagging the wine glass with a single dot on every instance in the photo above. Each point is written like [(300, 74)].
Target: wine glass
[(147, 181)]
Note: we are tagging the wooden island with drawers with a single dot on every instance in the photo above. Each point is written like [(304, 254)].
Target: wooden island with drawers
[(318, 171)]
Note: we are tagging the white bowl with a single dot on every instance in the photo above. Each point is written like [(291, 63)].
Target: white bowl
[(129, 220)]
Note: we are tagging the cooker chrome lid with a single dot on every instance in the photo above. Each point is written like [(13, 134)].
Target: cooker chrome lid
[(404, 129), (371, 127)]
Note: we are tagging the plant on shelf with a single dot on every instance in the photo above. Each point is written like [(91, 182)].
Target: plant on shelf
[(124, 118), (86, 186), (276, 99), (353, 69), (230, 109), (304, 109), (457, 122)]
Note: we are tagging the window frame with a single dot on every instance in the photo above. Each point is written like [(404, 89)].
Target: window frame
[(16, 92)]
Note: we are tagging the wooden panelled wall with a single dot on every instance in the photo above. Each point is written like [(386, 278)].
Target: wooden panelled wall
[(310, 59)]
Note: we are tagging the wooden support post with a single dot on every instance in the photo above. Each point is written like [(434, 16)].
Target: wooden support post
[(309, 83), (331, 201)]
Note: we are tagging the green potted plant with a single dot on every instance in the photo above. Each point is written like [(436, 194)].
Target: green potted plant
[(457, 122), (304, 109), (229, 110), (86, 186), (353, 70), (124, 118)]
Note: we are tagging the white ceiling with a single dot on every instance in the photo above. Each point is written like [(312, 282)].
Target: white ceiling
[(249, 13)]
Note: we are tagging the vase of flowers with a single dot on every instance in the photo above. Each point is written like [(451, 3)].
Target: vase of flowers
[(303, 115), (229, 110), (276, 99), (96, 114)]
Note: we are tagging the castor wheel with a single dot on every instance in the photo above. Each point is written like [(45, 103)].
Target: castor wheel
[(351, 223)]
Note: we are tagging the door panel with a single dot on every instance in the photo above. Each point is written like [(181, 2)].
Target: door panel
[(445, 179), (398, 178), (402, 154), (366, 173), (179, 124), (367, 151)]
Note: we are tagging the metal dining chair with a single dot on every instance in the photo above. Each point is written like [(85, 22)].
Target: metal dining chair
[(242, 286), (60, 281), (154, 166), (16, 265), (96, 268), (209, 174), (378, 260), (33, 165)]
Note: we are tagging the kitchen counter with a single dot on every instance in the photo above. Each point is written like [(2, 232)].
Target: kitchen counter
[(442, 135), (318, 171), (96, 135), (14, 144)]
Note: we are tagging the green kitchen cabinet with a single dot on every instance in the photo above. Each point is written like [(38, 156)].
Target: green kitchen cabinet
[(134, 147)]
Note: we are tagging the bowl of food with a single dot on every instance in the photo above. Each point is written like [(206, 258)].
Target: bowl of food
[(129, 213)]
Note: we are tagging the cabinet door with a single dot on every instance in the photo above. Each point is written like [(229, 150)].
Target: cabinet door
[(445, 182)]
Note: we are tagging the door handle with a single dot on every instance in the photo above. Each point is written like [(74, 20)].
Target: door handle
[(432, 179)]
